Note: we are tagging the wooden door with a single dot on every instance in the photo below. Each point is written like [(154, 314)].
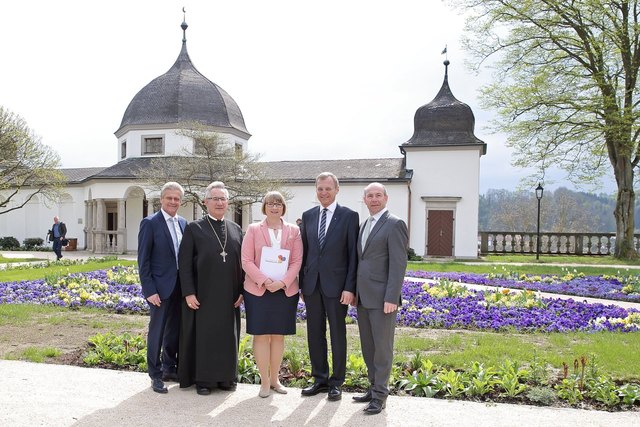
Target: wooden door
[(439, 233)]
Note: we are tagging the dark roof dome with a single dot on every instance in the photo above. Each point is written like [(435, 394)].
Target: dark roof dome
[(183, 94), (444, 121)]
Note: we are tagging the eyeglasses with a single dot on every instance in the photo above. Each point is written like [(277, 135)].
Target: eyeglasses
[(274, 205), (217, 199)]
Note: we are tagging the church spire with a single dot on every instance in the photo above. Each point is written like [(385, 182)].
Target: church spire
[(184, 26)]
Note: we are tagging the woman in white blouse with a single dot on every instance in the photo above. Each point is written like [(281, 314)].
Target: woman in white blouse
[(271, 259)]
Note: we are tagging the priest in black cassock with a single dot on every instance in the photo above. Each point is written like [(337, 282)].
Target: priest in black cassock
[(211, 278)]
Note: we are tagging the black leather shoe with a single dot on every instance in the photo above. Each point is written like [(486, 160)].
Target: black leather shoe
[(170, 376), (203, 391), (227, 386), (363, 397), (375, 407), (314, 389), (158, 386), (334, 393)]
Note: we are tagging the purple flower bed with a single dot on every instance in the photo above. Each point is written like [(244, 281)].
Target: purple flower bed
[(586, 286), (121, 298), (420, 308)]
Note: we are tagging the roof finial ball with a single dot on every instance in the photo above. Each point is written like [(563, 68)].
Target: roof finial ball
[(184, 25)]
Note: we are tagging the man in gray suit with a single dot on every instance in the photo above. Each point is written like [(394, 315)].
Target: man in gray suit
[(382, 261)]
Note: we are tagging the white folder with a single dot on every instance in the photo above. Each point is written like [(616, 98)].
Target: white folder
[(274, 262)]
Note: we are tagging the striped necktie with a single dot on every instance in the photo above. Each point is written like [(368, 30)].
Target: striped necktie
[(323, 226)]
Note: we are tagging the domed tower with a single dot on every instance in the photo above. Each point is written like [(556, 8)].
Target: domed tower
[(180, 95), (444, 155), (444, 121)]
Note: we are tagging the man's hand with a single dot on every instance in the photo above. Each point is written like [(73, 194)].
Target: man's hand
[(389, 308), (238, 301), (154, 300), (192, 302), (347, 298)]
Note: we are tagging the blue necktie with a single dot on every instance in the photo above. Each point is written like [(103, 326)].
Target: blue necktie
[(323, 226), (176, 235)]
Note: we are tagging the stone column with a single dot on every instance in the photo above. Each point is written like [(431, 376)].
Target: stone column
[(122, 231), (101, 226), (88, 224)]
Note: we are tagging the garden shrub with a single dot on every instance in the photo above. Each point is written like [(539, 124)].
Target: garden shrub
[(32, 242), (9, 243), (411, 255)]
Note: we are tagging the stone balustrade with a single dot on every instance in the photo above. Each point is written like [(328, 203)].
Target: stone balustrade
[(503, 242)]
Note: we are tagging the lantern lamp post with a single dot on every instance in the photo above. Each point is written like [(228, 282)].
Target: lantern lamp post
[(539, 191)]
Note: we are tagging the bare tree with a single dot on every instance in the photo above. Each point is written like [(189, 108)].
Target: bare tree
[(565, 88), (28, 168), (569, 215), (212, 158)]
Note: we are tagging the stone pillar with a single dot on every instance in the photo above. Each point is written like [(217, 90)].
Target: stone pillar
[(88, 224), (122, 231), (101, 226), (94, 216)]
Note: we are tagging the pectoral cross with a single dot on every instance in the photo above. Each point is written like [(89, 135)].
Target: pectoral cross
[(224, 256)]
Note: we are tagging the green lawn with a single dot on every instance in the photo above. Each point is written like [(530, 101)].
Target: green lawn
[(618, 354), (514, 266), (4, 260)]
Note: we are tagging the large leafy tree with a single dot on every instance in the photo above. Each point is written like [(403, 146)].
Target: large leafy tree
[(565, 88), (28, 168), (215, 159)]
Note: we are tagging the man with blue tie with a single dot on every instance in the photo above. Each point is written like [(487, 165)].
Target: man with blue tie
[(328, 283), (158, 243)]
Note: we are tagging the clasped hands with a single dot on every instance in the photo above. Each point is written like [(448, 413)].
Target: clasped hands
[(273, 285)]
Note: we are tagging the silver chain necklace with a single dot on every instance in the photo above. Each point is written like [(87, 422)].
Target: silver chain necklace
[(223, 254)]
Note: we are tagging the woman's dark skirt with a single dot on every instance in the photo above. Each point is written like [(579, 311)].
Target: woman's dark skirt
[(273, 313)]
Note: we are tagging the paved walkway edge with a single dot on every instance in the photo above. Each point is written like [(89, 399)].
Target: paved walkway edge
[(61, 395)]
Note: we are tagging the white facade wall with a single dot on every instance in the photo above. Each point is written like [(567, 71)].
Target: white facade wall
[(36, 217), (446, 178), (174, 144)]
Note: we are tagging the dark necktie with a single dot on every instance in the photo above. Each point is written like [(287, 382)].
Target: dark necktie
[(323, 226)]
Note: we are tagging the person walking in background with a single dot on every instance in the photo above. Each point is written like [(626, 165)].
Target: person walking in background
[(158, 245), (382, 262), (328, 283), (211, 278), (271, 302), (58, 234)]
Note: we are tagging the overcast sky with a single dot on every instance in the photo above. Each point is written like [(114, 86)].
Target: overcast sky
[(314, 79)]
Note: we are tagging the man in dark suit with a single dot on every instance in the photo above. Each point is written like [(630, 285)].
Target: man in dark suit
[(382, 261), (58, 233), (328, 283), (158, 242)]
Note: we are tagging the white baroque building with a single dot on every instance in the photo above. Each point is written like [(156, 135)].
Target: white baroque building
[(433, 186)]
